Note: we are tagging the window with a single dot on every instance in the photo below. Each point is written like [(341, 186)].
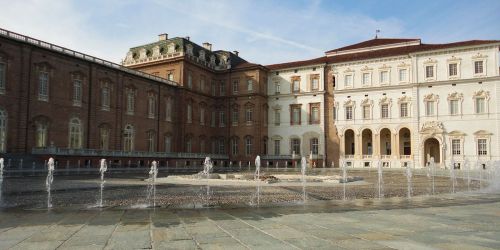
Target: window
[(384, 77), (168, 110), (277, 117), (480, 105), (384, 110), (315, 82), (222, 119), (295, 146), (248, 146), (314, 113), (105, 98), (295, 84), (456, 146), (429, 108), (189, 145), (295, 109), (41, 134), (75, 133), (366, 112), (202, 116), (128, 138), (403, 74), (234, 146), (168, 143), (189, 113), (170, 76), (212, 119), (43, 86), (366, 79), (151, 106), (222, 146), (234, 117), (453, 107), (2, 77), (104, 138), (348, 80), (249, 85), (190, 80), (429, 71), (403, 109), (235, 86), (248, 115), (202, 145), (277, 146), (222, 88), (131, 101), (151, 141), (202, 84), (348, 113), (277, 87), (214, 89), (478, 67), (3, 131), (453, 69), (77, 92), (482, 147), (315, 146)]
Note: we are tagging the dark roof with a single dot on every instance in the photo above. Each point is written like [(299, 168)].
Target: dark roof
[(374, 42), (318, 60)]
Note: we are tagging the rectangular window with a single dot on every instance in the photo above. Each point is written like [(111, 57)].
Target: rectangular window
[(480, 107), (277, 147), (429, 71), (151, 107), (296, 85), (366, 112), (202, 116), (190, 80), (429, 108), (2, 77), (234, 146), (384, 77), (248, 146), (452, 69), (249, 115), (168, 144), (249, 85), (222, 88), (384, 110), (235, 86), (315, 114), (222, 119), (348, 80), (189, 113), (315, 146), (43, 86), (478, 67), (295, 146), (453, 107), (277, 117), (348, 113), (234, 117), (366, 78), (295, 115), (105, 98), (212, 120), (482, 147), (404, 109), (170, 76), (277, 87), (131, 102), (315, 82), (168, 110), (403, 75), (77, 92), (456, 147), (202, 84)]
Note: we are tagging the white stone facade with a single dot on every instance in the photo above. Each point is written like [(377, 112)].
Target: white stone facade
[(440, 103), (284, 129)]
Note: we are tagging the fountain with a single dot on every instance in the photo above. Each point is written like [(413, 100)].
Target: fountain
[(453, 178), (303, 178), (408, 180), (207, 169), (380, 180), (1, 179), (153, 173), (49, 180), (102, 169), (343, 164), (257, 178), (432, 166), (467, 173), (240, 166)]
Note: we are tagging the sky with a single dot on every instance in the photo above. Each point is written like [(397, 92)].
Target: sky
[(263, 31)]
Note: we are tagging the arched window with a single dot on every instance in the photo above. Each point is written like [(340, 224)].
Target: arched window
[(128, 138), (75, 133), (41, 134), (3, 131), (151, 141)]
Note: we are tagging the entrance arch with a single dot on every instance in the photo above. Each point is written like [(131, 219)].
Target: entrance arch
[(385, 142), (404, 142), (432, 149), (349, 144), (367, 142)]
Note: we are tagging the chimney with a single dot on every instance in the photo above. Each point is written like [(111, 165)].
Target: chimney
[(207, 46), (163, 37), (236, 52), (188, 38)]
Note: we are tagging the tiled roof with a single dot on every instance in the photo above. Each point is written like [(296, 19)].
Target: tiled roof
[(374, 42), (314, 61)]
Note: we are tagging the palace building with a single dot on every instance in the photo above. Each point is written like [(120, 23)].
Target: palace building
[(399, 101)]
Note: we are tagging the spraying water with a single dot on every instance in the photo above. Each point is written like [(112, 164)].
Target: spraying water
[(1, 179), (49, 180), (102, 169), (303, 172), (343, 164), (257, 177), (453, 178), (207, 169), (153, 172), (380, 180), (432, 166), (467, 173), (408, 180)]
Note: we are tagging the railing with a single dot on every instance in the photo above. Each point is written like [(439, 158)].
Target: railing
[(152, 58), (289, 157), (59, 49), (367, 156), (349, 156), (117, 153), (385, 157), (405, 157)]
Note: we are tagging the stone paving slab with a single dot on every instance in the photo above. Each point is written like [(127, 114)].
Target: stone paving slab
[(448, 225)]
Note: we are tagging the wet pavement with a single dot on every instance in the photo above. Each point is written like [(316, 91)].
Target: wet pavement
[(458, 221)]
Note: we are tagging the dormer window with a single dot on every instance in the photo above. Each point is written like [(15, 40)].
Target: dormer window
[(202, 55), (189, 49), (143, 54), (212, 59), (171, 48), (156, 51)]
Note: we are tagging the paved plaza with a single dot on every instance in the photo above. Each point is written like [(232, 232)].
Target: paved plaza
[(461, 221)]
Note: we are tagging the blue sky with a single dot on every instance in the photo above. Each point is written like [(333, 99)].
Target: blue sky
[(264, 31)]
